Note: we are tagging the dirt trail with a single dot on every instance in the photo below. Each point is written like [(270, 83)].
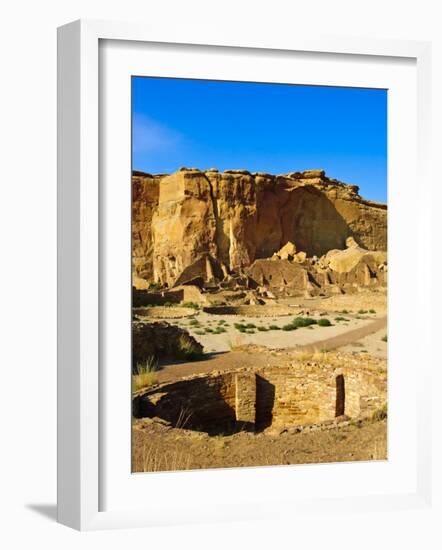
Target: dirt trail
[(219, 362), (233, 359)]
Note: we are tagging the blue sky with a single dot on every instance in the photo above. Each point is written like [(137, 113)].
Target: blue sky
[(274, 128)]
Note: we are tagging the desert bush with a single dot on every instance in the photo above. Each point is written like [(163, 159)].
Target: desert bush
[(145, 374), (385, 338), (341, 319), (324, 323), (150, 365), (274, 327), (250, 325), (194, 323), (380, 414), (240, 326), (191, 305), (301, 322), (372, 311), (362, 311), (144, 380), (186, 349), (263, 329), (200, 332)]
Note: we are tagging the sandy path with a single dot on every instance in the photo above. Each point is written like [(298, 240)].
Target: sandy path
[(348, 337), (233, 359), (220, 362)]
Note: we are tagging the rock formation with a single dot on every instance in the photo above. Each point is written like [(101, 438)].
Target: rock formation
[(162, 341), (196, 223)]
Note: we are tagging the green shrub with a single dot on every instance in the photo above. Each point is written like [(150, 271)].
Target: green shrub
[(324, 323), (301, 322), (250, 325), (274, 327), (344, 311), (362, 311), (200, 332), (341, 319), (385, 338), (372, 311), (194, 322), (191, 305), (263, 329), (186, 349), (289, 327)]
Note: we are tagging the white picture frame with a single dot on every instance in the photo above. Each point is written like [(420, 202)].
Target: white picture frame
[(80, 437)]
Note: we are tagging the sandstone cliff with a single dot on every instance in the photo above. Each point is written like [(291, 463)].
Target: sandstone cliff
[(236, 217)]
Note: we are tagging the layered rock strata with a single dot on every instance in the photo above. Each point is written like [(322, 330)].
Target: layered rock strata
[(225, 221)]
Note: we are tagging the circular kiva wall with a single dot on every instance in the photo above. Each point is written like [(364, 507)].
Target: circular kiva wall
[(252, 311), (256, 399)]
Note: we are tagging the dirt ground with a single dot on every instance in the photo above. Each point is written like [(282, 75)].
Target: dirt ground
[(359, 328), (313, 336), (158, 447)]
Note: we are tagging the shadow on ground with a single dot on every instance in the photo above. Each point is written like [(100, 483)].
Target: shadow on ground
[(49, 511)]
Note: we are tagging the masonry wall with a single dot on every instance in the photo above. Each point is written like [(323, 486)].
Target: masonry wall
[(256, 399)]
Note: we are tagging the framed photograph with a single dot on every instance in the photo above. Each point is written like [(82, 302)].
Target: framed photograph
[(235, 221)]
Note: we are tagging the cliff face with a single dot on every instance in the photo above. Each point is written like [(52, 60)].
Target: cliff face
[(236, 217), (145, 193)]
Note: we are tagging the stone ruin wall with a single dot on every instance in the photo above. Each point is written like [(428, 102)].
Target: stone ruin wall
[(237, 217), (274, 396)]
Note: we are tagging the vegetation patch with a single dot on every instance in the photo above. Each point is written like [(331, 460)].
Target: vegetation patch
[(145, 374), (191, 305), (186, 349)]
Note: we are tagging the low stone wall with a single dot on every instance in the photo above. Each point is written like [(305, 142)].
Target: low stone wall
[(253, 311), (161, 340), (296, 395), (159, 312)]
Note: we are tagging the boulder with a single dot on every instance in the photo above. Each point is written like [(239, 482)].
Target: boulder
[(277, 274), (287, 252)]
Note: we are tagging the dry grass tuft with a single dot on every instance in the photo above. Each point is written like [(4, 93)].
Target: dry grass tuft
[(154, 459), (143, 380), (145, 374), (236, 343)]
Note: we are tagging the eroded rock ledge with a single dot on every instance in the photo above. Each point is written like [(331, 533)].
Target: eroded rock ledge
[(233, 218)]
